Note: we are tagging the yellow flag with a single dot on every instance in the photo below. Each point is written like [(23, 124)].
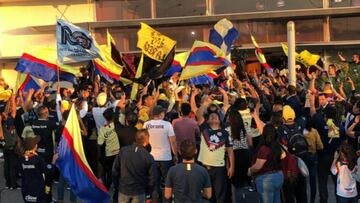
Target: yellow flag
[(110, 39), (305, 57), (154, 44), (108, 63), (308, 58), (135, 86)]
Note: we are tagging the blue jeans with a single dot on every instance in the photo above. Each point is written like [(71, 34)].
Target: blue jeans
[(61, 188), (131, 198), (268, 186)]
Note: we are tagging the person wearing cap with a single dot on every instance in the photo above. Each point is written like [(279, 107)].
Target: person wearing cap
[(33, 169), (291, 137), (163, 143), (98, 111)]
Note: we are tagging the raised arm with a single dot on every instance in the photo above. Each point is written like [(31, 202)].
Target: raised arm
[(226, 99), (200, 112), (341, 57), (195, 92), (13, 105)]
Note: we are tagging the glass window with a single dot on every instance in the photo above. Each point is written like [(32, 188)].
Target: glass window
[(120, 10), (346, 28), (275, 31), (126, 39), (344, 3), (241, 6), (176, 8)]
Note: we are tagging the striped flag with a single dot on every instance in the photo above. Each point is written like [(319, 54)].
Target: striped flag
[(41, 62), (178, 63), (261, 57), (74, 167), (204, 58)]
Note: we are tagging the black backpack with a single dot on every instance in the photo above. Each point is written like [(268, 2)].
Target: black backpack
[(296, 141)]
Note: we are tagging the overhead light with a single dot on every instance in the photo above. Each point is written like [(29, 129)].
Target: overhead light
[(280, 3), (260, 6), (192, 33), (337, 1)]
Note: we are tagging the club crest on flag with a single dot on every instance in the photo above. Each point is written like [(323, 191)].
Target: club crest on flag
[(75, 44)]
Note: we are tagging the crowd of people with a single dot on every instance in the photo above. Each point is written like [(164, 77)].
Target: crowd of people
[(250, 138)]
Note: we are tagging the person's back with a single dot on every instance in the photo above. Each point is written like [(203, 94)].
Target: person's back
[(136, 164), (134, 170), (32, 180), (160, 131), (185, 128), (187, 181)]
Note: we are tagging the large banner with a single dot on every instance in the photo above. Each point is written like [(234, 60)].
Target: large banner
[(74, 44), (154, 44)]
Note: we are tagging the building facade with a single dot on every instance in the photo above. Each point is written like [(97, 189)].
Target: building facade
[(322, 26)]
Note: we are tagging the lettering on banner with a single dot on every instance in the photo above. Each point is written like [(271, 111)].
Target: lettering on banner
[(155, 45)]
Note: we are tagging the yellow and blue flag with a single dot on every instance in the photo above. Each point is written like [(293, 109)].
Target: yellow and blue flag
[(177, 64), (41, 62), (223, 35), (204, 58), (74, 167)]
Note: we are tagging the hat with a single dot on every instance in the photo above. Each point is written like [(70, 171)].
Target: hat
[(158, 110), (65, 105), (233, 94), (101, 99), (288, 113), (28, 132), (328, 91), (216, 102), (30, 142)]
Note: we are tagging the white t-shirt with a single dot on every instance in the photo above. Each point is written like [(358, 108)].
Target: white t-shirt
[(98, 117), (160, 131), (346, 183)]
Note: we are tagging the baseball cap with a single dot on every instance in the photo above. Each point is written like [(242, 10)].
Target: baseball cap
[(101, 99), (65, 105), (288, 113)]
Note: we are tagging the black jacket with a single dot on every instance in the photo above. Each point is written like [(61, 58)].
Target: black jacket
[(133, 171)]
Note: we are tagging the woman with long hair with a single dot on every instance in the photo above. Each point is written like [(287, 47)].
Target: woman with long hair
[(266, 166), (241, 142)]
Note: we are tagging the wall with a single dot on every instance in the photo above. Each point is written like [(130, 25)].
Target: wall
[(15, 17)]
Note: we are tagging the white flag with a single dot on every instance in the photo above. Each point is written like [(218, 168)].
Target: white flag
[(75, 44)]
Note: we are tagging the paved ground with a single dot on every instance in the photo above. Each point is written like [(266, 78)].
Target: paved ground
[(14, 196)]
